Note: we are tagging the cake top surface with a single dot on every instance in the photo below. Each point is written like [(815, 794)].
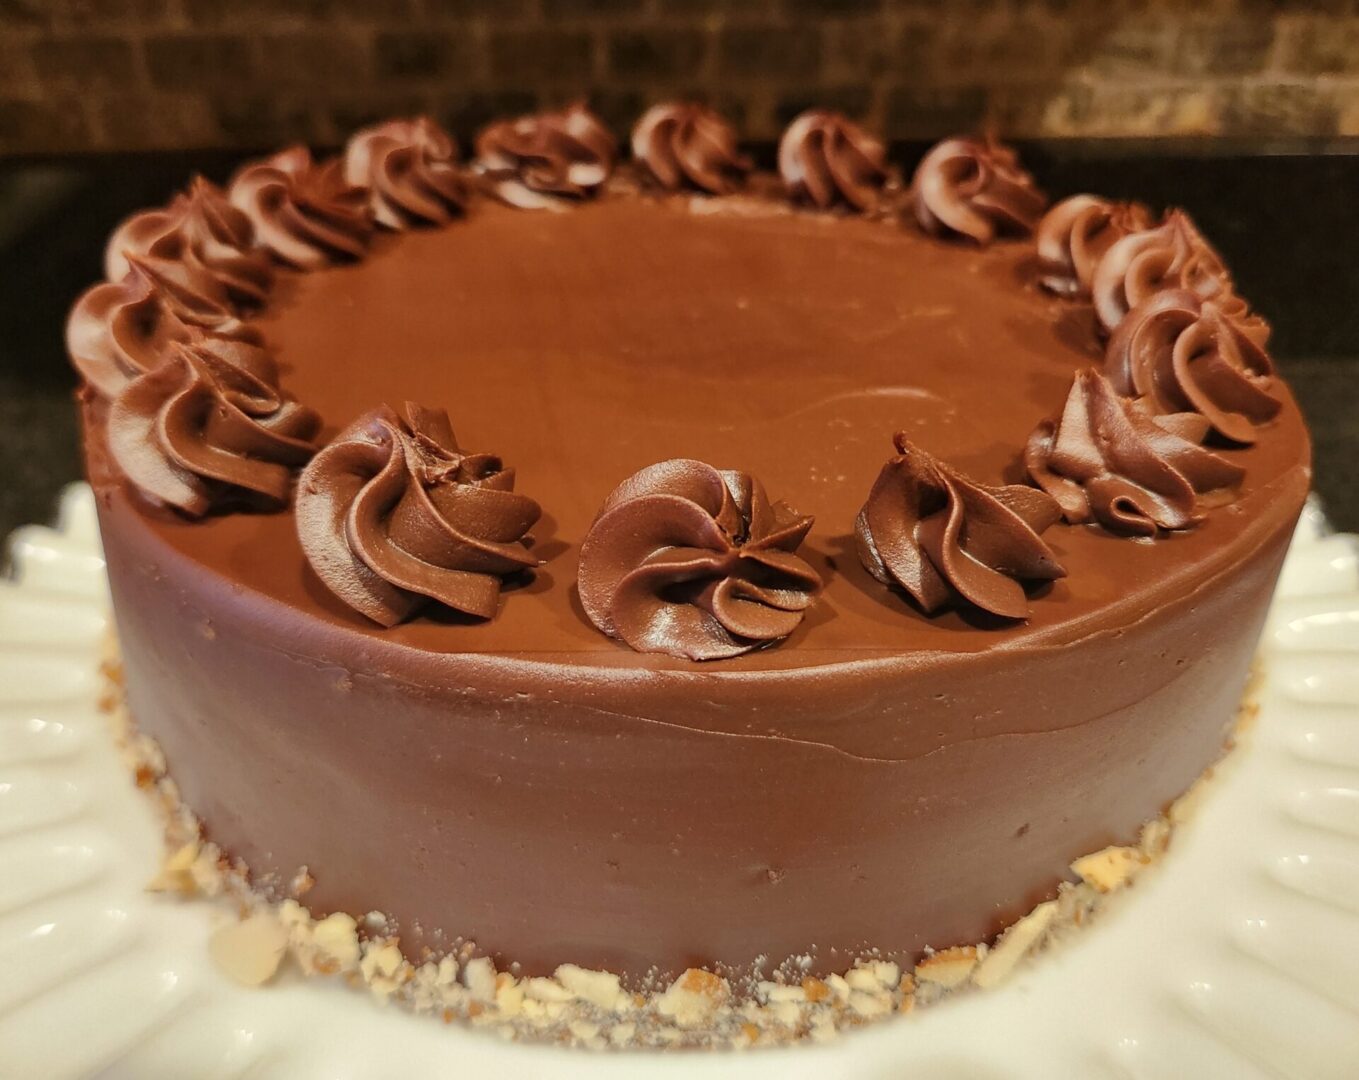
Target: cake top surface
[(789, 343)]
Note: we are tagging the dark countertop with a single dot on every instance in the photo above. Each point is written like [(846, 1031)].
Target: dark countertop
[(1287, 224)]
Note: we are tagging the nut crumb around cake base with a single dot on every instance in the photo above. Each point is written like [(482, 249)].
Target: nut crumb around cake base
[(592, 1009)]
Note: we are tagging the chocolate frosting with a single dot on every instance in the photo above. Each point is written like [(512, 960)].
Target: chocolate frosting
[(201, 432), (825, 158), (410, 170), (120, 329), (694, 561), (975, 188), (1108, 460), (1172, 255), (682, 144), (392, 515), (1075, 234), (304, 213), (1183, 353), (201, 228), (534, 162), (942, 537)]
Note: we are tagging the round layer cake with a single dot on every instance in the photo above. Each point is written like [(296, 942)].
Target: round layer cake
[(900, 764)]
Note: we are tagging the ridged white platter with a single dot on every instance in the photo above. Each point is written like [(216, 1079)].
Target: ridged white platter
[(1238, 957)]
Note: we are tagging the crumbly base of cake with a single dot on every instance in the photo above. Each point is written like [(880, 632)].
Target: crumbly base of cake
[(698, 1010)]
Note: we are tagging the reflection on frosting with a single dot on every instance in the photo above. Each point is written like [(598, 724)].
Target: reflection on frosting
[(201, 228), (696, 562), (1108, 460), (1075, 234), (825, 158), (683, 144), (536, 161), (1172, 255), (941, 537), (120, 329), (1183, 353), (409, 169), (305, 213), (200, 432), (975, 188), (393, 515)]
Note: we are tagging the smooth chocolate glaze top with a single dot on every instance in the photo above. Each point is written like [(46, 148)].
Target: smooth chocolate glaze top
[(881, 779), (585, 346)]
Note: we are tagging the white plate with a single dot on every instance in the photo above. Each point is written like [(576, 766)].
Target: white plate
[(1238, 957)]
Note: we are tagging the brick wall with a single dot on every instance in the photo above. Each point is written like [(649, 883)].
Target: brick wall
[(120, 74)]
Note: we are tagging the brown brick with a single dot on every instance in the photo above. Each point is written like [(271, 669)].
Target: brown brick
[(139, 14), (26, 14), (656, 54), (35, 126), (17, 74), (592, 8), (1128, 47), (267, 121), (1320, 46), (425, 55), (462, 9), (857, 50), (320, 60), (818, 8), (1278, 110), (253, 15), (996, 48), (1232, 45), (198, 61), (778, 51), (144, 121), (1152, 110), (932, 112), (522, 57), (85, 62)]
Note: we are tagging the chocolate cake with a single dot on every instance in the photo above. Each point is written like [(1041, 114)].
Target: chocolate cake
[(650, 565)]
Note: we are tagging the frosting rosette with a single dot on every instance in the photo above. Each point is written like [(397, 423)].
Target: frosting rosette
[(393, 516), (929, 530), (825, 158), (201, 228), (410, 170), (975, 188), (118, 330), (209, 429), (1074, 236), (305, 213), (535, 162), (695, 562), (1171, 255), (682, 144), (1108, 460), (1182, 353)]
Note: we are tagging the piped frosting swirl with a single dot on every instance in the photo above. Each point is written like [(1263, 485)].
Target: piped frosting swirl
[(1108, 460), (121, 329), (695, 562), (1182, 353), (825, 158), (1074, 236), (1170, 255), (975, 188), (209, 429), (942, 537), (682, 144), (392, 516), (410, 170), (201, 228), (304, 212), (535, 162)]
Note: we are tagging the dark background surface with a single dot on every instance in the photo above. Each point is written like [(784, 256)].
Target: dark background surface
[(1287, 224)]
